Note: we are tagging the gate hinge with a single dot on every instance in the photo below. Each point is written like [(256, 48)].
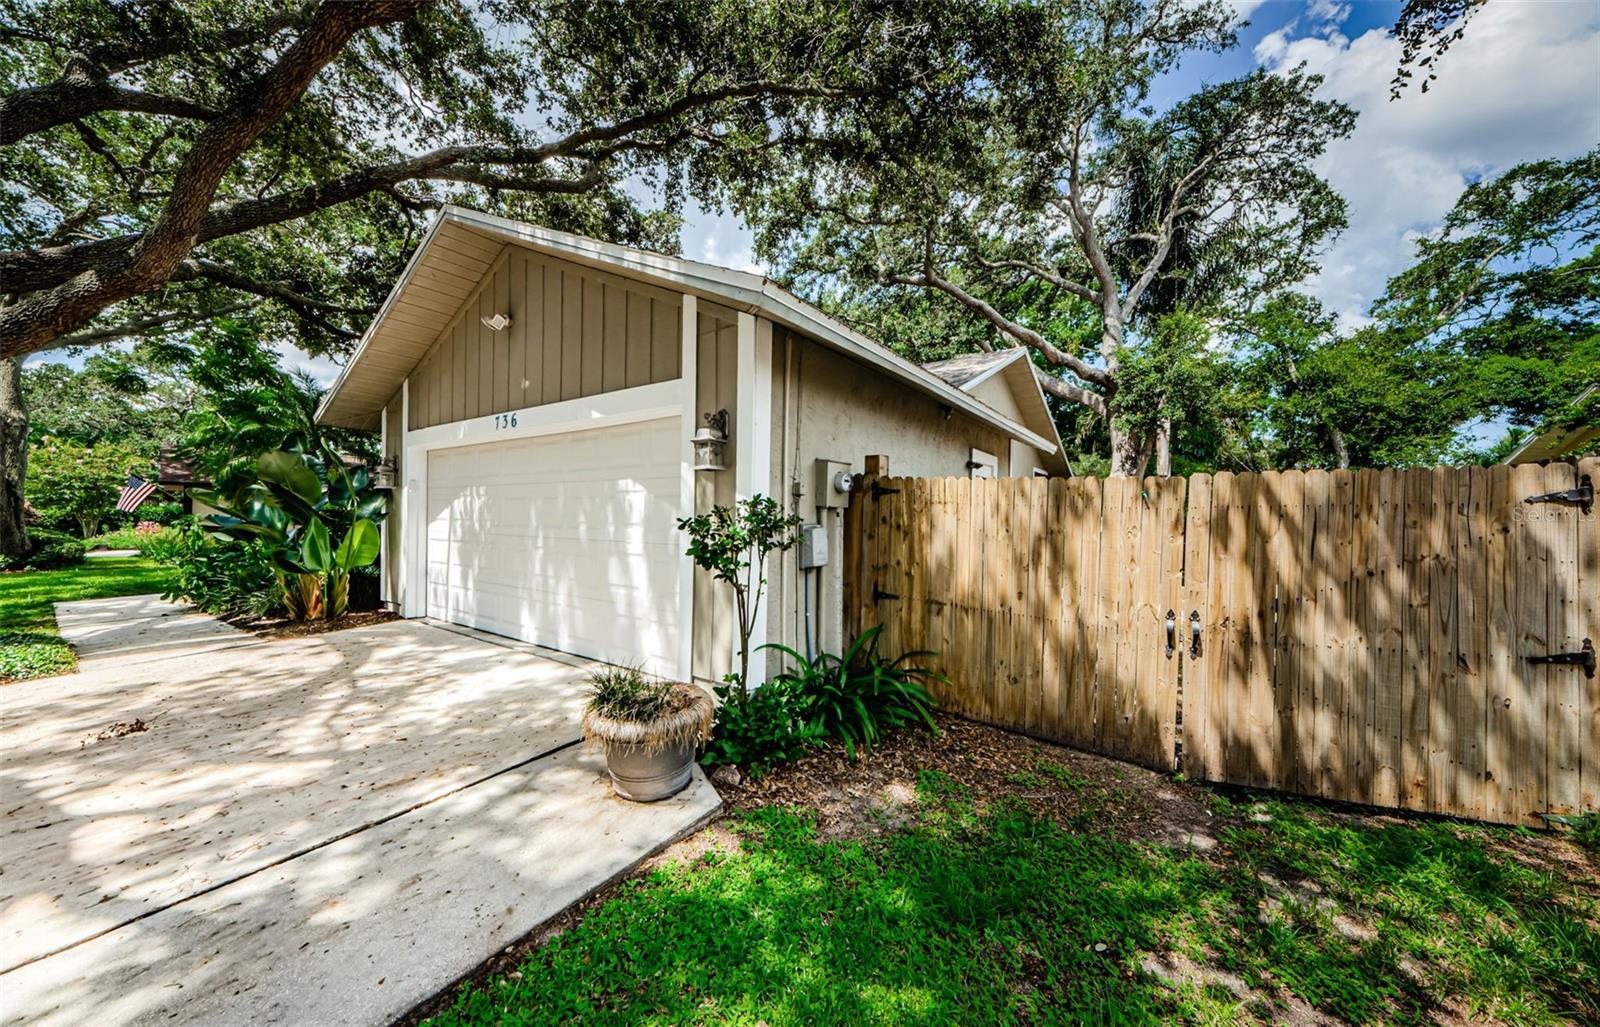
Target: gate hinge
[(1582, 496), (879, 491), (1584, 657), (879, 595)]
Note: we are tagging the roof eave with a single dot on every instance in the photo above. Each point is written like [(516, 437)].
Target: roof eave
[(739, 290)]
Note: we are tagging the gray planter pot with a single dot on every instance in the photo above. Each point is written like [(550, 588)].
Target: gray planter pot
[(649, 776), (650, 761)]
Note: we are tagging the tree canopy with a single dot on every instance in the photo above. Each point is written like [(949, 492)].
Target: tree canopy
[(165, 163), (1052, 190)]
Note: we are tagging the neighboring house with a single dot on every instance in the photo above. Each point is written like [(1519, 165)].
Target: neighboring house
[(1556, 442), (537, 392), (175, 476)]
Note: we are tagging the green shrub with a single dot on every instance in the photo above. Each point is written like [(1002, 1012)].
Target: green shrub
[(220, 576), (771, 726), (854, 698), (47, 551), (148, 537)]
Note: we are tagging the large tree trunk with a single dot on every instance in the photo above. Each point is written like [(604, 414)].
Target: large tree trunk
[(13, 459), (1164, 448), (1129, 454)]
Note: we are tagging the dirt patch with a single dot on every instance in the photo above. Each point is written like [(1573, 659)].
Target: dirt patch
[(282, 627), (876, 793), (121, 729)]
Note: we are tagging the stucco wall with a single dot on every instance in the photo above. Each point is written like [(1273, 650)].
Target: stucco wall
[(827, 406)]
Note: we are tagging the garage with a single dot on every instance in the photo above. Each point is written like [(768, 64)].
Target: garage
[(565, 540)]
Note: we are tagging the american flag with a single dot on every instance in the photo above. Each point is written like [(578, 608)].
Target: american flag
[(135, 492)]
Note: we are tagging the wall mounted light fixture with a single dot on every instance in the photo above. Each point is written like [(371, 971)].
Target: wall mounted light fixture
[(496, 322), (710, 442)]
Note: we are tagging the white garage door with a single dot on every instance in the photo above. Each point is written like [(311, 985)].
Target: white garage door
[(568, 541)]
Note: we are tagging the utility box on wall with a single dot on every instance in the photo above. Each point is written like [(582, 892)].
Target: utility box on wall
[(813, 546), (832, 486)]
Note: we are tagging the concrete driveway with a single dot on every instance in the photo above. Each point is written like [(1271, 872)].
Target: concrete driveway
[(202, 827)]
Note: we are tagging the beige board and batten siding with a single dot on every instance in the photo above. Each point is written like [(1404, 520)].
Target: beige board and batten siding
[(574, 332), (827, 406)]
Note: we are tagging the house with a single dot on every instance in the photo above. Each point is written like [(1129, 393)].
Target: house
[(1556, 441), (537, 392)]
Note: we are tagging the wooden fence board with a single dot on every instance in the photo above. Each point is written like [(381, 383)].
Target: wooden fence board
[(1195, 667), (1588, 546), (1364, 636)]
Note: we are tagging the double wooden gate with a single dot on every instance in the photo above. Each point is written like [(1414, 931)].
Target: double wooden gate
[(1376, 636)]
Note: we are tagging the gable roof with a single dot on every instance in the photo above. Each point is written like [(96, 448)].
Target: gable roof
[(971, 370), (1555, 443), (459, 248)]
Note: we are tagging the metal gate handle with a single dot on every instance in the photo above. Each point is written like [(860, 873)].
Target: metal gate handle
[(1172, 633), (1194, 634)]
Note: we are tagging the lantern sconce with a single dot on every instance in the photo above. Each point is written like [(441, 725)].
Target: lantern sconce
[(388, 472), (710, 441)]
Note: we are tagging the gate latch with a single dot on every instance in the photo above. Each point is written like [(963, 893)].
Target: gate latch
[(1582, 496), (1584, 658), (879, 595)]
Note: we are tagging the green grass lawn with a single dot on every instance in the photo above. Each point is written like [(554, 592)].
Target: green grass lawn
[(988, 913), (29, 644)]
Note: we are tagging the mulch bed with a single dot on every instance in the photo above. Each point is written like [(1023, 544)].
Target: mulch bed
[(864, 797), (282, 627)]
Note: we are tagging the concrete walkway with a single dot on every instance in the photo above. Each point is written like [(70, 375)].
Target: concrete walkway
[(202, 827)]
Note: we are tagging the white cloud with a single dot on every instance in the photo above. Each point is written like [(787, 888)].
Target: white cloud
[(1524, 83), (720, 238), (1329, 12), (1243, 9), (292, 359)]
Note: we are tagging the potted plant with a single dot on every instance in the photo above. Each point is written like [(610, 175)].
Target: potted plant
[(648, 728)]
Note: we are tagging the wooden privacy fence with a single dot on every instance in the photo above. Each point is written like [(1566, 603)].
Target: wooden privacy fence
[(1373, 636)]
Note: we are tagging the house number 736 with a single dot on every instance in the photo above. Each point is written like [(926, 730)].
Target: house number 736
[(505, 421)]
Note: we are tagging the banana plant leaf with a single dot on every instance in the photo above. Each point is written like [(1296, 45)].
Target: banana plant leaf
[(290, 471), (316, 549), (359, 548)]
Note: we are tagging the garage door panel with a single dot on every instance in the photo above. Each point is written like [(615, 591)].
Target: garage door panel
[(568, 541)]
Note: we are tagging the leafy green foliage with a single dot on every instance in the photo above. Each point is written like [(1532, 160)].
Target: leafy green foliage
[(47, 550), (315, 517), (135, 399), (221, 576), (627, 693), (851, 699), (1498, 318), (29, 644), (732, 543), (148, 537), (70, 482), (770, 726), (247, 405), (854, 698), (1049, 193), (548, 111), (992, 914)]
